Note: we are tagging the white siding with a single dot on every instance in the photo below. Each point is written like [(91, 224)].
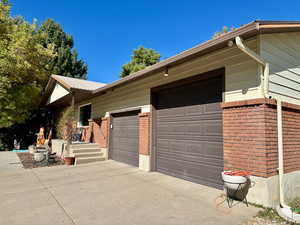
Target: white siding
[(282, 51), (241, 80), (57, 93)]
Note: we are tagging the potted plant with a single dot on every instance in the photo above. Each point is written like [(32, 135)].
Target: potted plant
[(236, 183), (65, 130)]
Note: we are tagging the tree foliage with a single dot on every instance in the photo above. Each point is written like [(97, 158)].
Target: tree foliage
[(29, 54), (64, 117), (66, 61), (224, 30), (24, 68), (141, 58)]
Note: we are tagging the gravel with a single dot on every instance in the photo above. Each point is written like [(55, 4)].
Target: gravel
[(28, 162)]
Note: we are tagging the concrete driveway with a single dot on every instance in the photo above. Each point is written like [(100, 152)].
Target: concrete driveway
[(109, 193)]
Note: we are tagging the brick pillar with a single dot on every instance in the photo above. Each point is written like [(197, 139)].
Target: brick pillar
[(100, 131), (144, 133), (250, 136), (144, 141), (89, 131), (250, 143)]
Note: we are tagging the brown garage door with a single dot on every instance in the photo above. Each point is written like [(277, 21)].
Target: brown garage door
[(189, 139), (124, 138)]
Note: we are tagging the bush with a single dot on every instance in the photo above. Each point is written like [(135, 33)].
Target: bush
[(64, 123)]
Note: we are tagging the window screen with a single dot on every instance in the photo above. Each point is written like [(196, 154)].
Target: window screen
[(84, 115)]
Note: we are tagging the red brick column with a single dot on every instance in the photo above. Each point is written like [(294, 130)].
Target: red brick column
[(89, 131), (250, 136), (245, 139), (144, 133), (100, 131)]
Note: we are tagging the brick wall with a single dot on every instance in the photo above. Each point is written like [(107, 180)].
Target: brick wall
[(88, 134), (250, 137), (291, 139), (98, 132), (244, 139), (144, 133)]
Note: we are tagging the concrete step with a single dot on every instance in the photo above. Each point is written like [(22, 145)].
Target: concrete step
[(84, 160), (88, 154), (85, 150), (87, 145)]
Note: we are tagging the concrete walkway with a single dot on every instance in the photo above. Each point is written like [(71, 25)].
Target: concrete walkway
[(9, 161), (110, 193)]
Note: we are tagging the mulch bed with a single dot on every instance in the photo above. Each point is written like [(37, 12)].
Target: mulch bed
[(28, 162)]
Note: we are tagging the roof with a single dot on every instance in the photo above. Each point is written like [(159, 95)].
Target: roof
[(82, 89), (87, 89), (74, 83), (246, 31)]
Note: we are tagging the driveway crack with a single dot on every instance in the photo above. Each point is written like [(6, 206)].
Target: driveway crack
[(53, 196)]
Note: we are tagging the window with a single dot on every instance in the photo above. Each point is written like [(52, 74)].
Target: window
[(84, 114)]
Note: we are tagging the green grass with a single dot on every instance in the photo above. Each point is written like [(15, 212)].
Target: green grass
[(272, 215), (295, 203)]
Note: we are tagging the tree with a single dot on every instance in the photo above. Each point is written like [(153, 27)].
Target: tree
[(141, 58), (65, 62), (225, 30), (29, 54), (24, 69)]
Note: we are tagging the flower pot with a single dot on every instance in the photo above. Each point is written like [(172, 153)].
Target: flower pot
[(237, 186), (38, 156), (69, 160), (31, 149)]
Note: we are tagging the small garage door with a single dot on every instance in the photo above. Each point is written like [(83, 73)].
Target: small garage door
[(189, 139), (124, 138)]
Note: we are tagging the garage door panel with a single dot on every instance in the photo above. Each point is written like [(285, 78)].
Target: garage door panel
[(197, 160), (203, 174), (189, 132), (188, 139), (124, 138), (180, 149)]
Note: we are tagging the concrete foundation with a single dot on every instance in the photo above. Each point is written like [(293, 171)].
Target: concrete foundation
[(291, 185), (265, 191), (105, 153), (144, 162)]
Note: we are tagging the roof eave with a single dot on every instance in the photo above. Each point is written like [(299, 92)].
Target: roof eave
[(245, 31)]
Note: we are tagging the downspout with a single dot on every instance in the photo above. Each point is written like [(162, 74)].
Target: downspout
[(261, 61), (283, 210)]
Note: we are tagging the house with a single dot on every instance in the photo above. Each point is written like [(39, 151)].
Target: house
[(211, 108)]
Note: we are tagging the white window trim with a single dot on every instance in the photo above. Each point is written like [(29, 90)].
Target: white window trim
[(78, 116)]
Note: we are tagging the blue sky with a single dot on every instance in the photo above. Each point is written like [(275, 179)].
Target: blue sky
[(106, 32)]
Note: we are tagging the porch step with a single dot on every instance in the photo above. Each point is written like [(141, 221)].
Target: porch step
[(84, 145), (85, 150), (84, 160), (88, 154)]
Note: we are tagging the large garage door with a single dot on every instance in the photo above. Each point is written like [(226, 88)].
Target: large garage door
[(189, 139), (124, 137)]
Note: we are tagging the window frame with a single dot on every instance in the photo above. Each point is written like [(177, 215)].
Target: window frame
[(78, 116)]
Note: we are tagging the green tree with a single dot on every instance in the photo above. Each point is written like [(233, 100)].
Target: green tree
[(141, 58), (66, 61), (24, 69), (224, 30)]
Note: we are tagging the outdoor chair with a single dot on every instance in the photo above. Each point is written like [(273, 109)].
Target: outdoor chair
[(77, 134)]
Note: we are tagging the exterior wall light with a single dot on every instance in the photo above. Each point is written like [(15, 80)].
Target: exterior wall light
[(166, 72)]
